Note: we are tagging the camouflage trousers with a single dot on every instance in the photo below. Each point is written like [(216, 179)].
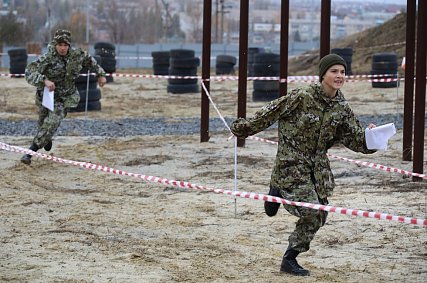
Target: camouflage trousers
[(310, 220), (48, 122)]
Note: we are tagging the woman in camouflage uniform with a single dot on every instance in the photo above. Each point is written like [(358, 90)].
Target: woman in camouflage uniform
[(57, 70), (310, 121)]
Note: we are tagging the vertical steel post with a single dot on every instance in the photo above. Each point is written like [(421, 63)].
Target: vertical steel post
[(420, 90), (284, 41), (408, 102), (325, 28), (206, 67), (243, 63)]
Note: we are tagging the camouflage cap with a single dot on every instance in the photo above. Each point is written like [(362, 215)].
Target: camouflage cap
[(62, 36)]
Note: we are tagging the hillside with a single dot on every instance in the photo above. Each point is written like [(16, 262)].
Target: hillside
[(388, 37)]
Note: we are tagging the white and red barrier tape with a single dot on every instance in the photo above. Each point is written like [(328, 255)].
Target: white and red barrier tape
[(290, 79), (255, 196), (363, 163)]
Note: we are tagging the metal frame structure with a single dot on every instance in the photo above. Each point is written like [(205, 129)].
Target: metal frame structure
[(420, 77)]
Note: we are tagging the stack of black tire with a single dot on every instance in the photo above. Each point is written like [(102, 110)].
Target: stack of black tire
[(160, 62), (384, 64), (93, 93), (107, 52), (252, 52), (346, 54), (225, 64), (17, 61), (266, 65), (183, 63)]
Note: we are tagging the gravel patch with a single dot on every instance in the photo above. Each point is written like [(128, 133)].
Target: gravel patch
[(149, 126)]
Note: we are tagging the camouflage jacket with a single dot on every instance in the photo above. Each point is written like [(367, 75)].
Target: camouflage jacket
[(309, 124), (63, 71)]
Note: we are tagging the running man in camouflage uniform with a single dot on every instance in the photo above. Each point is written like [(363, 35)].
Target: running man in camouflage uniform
[(57, 70), (310, 121)]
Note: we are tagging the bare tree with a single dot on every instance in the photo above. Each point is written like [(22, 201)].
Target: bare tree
[(116, 22), (195, 13)]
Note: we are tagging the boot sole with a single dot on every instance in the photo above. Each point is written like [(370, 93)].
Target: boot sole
[(25, 161), (296, 274), (48, 147), (271, 208)]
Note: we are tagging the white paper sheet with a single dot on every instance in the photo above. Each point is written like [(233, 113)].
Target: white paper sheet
[(48, 99), (377, 138)]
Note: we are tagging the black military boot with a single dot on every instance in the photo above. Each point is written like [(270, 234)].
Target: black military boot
[(48, 147), (26, 159), (290, 264), (271, 208)]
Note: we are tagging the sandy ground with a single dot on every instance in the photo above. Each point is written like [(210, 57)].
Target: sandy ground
[(61, 223)]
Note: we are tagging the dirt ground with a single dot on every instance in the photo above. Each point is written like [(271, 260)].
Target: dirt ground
[(61, 223)]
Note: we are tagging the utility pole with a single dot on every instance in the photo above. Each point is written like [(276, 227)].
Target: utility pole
[(223, 11), (87, 22), (216, 21), (48, 20), (168, 20)]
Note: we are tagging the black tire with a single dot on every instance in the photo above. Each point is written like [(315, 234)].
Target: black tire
[(161, 70), (17, 52), (266, 58), (83, 85), (266, 70), (270, 86), (104, 53), (385, 65), (109, 79), (181, 53), (17, 70), (104, 45), (184, 63), (18, 58), (182, 81), (82, 79), (182, 72), (21, 65), (381, 57), (384, 84), (264, 95), (161, 61), (388, 75), (226, 59), (224, 70), (252, 51), (224, 65), (346, 51), (160, 55), (108, 64), (183, 88), (160, 65), (94, 95)]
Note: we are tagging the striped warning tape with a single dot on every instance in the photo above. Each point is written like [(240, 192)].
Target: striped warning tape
[(291, 79), (255, 196)]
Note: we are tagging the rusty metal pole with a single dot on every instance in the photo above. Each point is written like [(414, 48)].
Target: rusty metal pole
[(206, 69), (325, 28), (243, 63), (284, 41), (408, 103), (420, 90)]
